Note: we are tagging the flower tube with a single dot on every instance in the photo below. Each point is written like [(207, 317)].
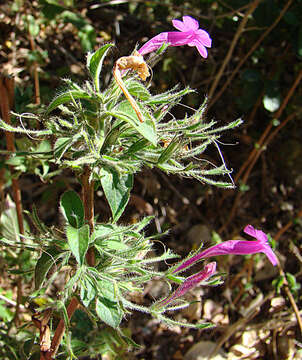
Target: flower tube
[(190, 283), (235, 247)]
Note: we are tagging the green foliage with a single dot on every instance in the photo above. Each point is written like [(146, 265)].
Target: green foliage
[(72, 209), (117, 189), (78, 240), (91, 126)]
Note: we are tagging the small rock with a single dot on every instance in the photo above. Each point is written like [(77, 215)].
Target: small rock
[(202, 351)]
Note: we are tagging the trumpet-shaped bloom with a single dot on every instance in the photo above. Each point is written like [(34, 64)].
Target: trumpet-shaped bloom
[(190, 283), (236, 247), (188, 34)]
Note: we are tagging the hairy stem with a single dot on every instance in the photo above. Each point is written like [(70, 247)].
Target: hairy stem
[(88, 200)]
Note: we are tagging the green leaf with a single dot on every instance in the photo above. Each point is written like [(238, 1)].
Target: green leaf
[(32, 26), (106, 305), (147, 128), (60, 147), (44, 264), (72, 208), (65, 97), (117, 189), (9, 227), (137, 89), (78, 240), (88, 291), (95, 63), (168, 151)]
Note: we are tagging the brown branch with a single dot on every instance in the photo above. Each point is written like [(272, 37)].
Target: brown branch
[(7, 97), (7, 100), (263, 142), (57, 338), (290, 298), (226, 60), (287, 226), (252, 49), (36, 72)]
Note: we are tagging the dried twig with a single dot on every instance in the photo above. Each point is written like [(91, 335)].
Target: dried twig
[(7, 100), (226, 60), (57, 338), (290, 298), (262, 143), (252, 49)]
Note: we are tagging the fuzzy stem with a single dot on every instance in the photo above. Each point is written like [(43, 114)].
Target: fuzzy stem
[(88, 200)]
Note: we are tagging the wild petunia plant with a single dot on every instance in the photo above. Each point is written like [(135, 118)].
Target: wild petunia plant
[(105, 135)]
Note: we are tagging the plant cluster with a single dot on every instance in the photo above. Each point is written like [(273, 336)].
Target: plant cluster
[(105, 135)]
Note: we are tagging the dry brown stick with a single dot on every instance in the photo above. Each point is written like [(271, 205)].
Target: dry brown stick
[(252, 49), (36, 72), (7, 100), (251, 9), (267, 138), (263, 143), (259, 151), (269, 126), (290, 297), (287, 226)]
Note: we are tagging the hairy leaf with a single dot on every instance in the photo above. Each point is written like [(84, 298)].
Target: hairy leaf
[(72, 208), (117, 189), (78, 240), (95, 63)]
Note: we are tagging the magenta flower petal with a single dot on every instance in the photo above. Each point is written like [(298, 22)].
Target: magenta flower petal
[(189, 34), (176, 38), (190, 283), (201, 49), (190, 23), (235, 247), (179, 25), (154, 43), (258, 234), (204, 38)]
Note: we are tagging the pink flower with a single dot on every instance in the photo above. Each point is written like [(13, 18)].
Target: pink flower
[(189, 34), (190, 283), (236, 247)]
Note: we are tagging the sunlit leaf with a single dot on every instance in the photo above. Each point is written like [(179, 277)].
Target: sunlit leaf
[(117, 189), (78, 240), (72, 208)]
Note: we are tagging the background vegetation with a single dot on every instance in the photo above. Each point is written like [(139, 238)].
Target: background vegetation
[(254, 72)]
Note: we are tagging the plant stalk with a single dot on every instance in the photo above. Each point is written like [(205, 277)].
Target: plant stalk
[(7, 89), (88, 200), (57, 338)]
